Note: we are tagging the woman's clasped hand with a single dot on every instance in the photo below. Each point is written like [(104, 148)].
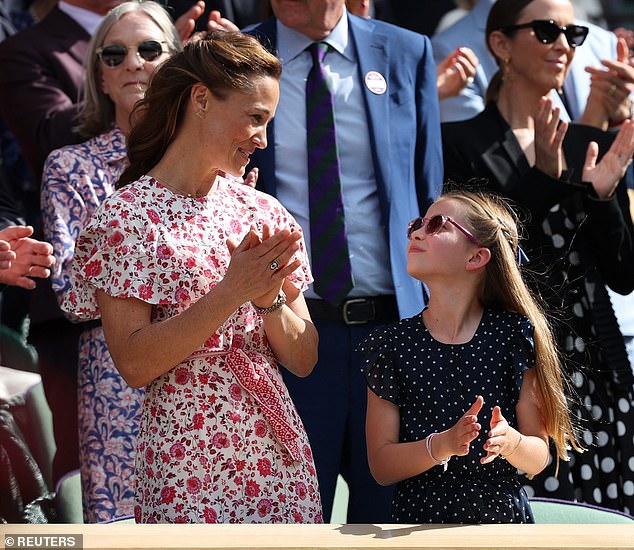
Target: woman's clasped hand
[(250, 272)]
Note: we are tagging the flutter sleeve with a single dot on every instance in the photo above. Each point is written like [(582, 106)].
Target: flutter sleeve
[(378, 365), (125, 252), (523, 349)]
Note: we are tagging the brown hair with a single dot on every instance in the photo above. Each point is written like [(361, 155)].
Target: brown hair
[(223, 61), (496, 226), (504, 13)]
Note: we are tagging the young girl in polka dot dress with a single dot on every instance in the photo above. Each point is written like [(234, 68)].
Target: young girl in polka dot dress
[(481, 339)]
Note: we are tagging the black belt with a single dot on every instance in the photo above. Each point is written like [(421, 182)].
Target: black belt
[(355, 311)]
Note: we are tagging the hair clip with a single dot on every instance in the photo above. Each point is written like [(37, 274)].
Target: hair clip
[(522, 258)]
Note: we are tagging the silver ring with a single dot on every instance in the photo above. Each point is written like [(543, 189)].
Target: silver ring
[(470, 80), (612, 89), (274, 265)]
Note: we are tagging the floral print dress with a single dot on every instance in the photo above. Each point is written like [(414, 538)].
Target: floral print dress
[(76, 180), (220, 438)]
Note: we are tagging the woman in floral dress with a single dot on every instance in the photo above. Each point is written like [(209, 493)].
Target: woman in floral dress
[(129, 45), (199, 282)]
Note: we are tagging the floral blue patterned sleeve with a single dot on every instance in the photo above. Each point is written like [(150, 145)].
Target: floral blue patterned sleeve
[(76, 179)]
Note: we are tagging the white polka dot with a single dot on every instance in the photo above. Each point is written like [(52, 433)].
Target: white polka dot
[(587, 437), (628, 488), (623, 405), (596, 494), (551, 484), (612, 491), (607, 464), (602, 439), (597, 413), (630, 463), (620, 428), (586, 472), (580, 345), (558, 241)]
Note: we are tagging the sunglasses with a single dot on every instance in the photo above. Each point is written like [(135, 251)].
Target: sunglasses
[(115, 54), (434, 224), (547, 31)]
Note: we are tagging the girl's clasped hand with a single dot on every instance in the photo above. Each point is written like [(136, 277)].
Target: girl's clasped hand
[(502, 440)]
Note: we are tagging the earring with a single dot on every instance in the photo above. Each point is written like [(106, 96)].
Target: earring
[(202, 114), (506, 70)]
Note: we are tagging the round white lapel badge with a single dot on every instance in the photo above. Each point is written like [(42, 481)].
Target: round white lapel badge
[(375, 82)]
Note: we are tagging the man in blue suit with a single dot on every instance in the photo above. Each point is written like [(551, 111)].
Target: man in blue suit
[(469, 31), (388, 138)]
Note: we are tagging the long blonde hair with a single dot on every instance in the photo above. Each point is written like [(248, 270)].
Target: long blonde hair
[(494, 223)]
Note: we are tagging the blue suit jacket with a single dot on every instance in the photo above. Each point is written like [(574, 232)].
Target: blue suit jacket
[(404, 127), (470, 31)]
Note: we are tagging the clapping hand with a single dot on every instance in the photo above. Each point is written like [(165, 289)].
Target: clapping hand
[(502, 438), (610, 89), (455, 72), (22, 257), (605, 175), (186, 23), (260, 264), (466, 429), (549, 136)]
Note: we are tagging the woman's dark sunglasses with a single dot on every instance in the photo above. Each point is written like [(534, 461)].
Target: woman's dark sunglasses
[(115, 54), (547, 31), (434, 224)]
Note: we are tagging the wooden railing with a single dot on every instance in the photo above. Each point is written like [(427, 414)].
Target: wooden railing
[(358, 537)]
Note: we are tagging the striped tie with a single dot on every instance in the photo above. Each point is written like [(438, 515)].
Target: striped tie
[(329, 244)]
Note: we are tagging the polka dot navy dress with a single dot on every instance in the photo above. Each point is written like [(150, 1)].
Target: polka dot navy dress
[(433, 384)]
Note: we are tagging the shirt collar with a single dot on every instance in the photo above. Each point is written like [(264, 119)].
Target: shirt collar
[(291, 43), (89, 20), (112, 145)]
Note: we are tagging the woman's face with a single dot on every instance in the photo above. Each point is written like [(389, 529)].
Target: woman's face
[(537, 65), (235, 126), (125, 84)]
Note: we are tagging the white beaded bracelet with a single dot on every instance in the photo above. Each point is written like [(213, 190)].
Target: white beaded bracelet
[(442, 463)]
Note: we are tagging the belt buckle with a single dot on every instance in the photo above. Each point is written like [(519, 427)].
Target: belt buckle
[(357, 301)]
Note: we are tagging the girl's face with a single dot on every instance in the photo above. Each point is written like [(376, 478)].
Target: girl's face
[(235, 126), (446, 251), (532, 63), (125, 83)]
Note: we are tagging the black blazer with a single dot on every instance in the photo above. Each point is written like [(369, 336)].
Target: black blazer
[(485, 147)]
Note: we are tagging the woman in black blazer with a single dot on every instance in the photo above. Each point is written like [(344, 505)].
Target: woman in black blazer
[(567, 181)]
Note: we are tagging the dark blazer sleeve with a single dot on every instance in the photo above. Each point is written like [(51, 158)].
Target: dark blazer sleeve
[(40, 76), (608, 228), (482, 148)]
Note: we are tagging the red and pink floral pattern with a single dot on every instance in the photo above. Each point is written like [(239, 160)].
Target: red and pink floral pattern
[(220, 438)]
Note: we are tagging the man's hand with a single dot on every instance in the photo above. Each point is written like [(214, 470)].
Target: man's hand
[(186, 23)]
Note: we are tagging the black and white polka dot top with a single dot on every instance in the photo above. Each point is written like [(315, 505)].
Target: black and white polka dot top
[(433, 384)]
